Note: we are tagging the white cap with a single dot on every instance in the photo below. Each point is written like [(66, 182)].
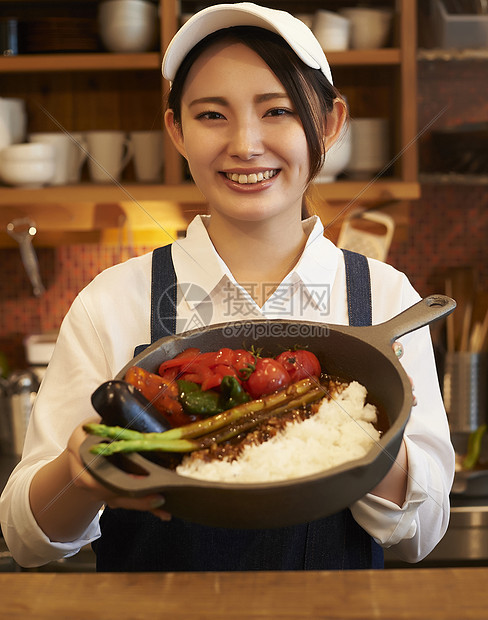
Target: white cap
[(298, 36)]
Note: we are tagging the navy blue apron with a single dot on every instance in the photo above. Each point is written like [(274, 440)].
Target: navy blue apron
[(138, 541)]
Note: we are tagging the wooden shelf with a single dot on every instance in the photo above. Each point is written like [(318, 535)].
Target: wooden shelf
[(452, 178), (189, 193), (79, 62), (380, 82), (387, 56), (452, 54), (152, 61), (100, 193), (368, 191)]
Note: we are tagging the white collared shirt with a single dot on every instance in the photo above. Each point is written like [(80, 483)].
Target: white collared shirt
[(110, 317)]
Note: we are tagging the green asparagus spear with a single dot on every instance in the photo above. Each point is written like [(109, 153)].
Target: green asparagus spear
[(117, 432), (202, 427), (144, 445)]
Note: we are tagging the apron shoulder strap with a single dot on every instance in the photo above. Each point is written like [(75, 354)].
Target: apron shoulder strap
[(163, 294), (358, 284), (163, 297)]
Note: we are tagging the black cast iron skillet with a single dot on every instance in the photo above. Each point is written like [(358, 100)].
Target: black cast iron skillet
[(363, 354)]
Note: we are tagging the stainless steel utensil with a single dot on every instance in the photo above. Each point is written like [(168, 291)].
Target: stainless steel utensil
[(23, 230)]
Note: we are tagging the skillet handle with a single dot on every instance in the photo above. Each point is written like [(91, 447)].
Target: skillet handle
[(419, 315)]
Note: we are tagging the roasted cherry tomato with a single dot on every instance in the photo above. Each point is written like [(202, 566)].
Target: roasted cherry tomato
[(163, 395), (300, 364), (244, 362), (269, 376)]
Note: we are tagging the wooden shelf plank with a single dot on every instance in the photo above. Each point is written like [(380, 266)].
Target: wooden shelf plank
[(189, 194), (452, 178), (368, 191), (385, 56), (79, 62), (452, 54), (105, 61), (99, 193)]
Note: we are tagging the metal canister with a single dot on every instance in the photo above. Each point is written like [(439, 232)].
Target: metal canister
[(23, 390), (465, 390), (5, 418)]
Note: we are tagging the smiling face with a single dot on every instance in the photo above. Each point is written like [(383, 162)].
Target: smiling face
[(241, 135)]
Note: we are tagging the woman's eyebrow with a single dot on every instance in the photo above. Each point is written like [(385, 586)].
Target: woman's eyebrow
[(261, 98), (270, 96), (217, 100)]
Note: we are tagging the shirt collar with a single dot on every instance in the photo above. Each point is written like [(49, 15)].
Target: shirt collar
[(196, 261), (317, 266)]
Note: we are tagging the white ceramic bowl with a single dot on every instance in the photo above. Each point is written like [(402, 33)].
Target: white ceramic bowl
[(331, 30), (128, 25), (337, 158), (27, 165), (370, 146), (110, 11), (370, 28), (114, 7), (129, 36)]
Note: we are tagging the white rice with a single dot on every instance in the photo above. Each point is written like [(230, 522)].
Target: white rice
[(342, 430)]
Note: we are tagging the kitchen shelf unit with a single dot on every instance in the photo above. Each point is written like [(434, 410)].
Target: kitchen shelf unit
[(452, 72), (390, 91)]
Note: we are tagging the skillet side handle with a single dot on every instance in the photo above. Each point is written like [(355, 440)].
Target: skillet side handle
[(419, 315)]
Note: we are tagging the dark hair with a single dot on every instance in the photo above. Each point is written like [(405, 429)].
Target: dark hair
[(310, 91)]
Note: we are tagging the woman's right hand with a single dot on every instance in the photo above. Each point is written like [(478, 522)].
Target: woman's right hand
[(65, 498), (84, 481)]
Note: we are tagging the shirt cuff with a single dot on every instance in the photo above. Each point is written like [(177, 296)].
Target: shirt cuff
[(384, 520)]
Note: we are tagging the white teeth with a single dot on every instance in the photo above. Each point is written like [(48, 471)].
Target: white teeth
[(244, 179)]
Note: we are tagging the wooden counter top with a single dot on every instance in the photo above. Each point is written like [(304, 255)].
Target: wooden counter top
[(447, 593)]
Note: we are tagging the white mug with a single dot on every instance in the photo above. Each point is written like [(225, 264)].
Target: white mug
[(14, 112), (62, 148), (148, 154), (5, 135), (109, 153), (331, 30), (370, 146), (13, 121), (370, 28), (77, 156)]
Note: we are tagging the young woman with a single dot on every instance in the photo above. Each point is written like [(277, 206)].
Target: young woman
[(253, 110)]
